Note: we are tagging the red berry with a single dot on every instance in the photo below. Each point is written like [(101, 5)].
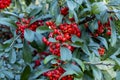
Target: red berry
[(64, 11)]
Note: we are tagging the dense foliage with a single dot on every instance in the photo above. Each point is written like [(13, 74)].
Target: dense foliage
[(59, 40)]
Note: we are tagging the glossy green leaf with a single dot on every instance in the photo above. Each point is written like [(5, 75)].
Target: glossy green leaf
[(52, 40), (35, 11), (12, 57), (29, 35), (27, 53), (8, 74), (104, 41), (114, 34), (49, 58), (98, 7), (59, 19), (26, 73), (43, 29), (66, 54), (118, 75), (71, 4), (80, 63), (97, 73), (79, 1)]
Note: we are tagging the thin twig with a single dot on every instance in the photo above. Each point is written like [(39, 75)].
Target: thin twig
[(109, 64), (15, 40)]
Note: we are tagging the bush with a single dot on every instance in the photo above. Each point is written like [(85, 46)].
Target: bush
[(59, 40)]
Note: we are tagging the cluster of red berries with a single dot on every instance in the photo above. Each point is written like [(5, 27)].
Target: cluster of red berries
[(62, 34), (4, 3), (55, 74), (101, 51), (64, 11), (103, 28), (23, 24)]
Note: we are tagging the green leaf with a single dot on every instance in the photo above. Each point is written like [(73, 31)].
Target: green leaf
[(114, 35), (39, 45), (93, 26), (103, 40), (54, 7), (117, 60), (79, 1), (39, 72), (12, 56), (71, 4), (35, 11), (43, 29), (26, 73), (8, 74), (106, 75), (27, 52), (75, 15), (7, 23), (85, 49), (49, 58), (59, 19), (80, 63), (52, 40), (10, 13), (118, 75), (29, 35), (2, 75), (98, 7), (112, 72), (76, 39), (66, 54), (97, 73)]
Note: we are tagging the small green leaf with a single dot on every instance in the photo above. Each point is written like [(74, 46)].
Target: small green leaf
[(38, 73), (10, 13), (79, 1), (66, 54), (2, 75), (39, 45), (85, 49), (27, 53), (80, 63), (35, 11), (118, 75), (98, 7), (43, 29), (114, 35), (71, 4), (93, 26), (52, 40), (59, 19), (8, 74), (29, 35), (104, 41), (49, 58), (12, 56), (106, 75), (75, 38), (26, 73), (97, 73)]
